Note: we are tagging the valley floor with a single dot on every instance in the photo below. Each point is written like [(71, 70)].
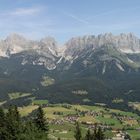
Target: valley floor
[(62, 118)]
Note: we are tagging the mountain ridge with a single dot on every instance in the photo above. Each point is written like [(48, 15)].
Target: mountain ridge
[(93, 64), (125, 43), (95, 41)]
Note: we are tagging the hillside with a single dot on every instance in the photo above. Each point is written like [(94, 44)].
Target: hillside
[(85, 70), (62, 118)]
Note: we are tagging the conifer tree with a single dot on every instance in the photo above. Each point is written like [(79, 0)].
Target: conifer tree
[(94, 135), (40, 121), (30, 131), (78, 134), (127, 137), (2, 117), (13, 123), (3, 132), (12, 128), (88, 135), (100, 134)]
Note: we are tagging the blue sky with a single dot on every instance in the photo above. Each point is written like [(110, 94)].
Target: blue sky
[(64, 19)]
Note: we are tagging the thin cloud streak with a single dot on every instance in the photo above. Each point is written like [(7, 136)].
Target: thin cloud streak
[(101, 14), (76, 18), (112, 12), (25, 11), (31, 11)]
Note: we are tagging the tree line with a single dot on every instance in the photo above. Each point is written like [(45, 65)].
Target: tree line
[(97, 134), (14, 127)]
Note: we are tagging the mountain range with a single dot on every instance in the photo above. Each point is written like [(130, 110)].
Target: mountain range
[(85, 70)]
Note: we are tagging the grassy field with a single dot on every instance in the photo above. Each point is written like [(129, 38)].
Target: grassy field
[(87, 116), (47, 81), (25, 111), (134, 134), (135, 105), (17, 95), (40, 102), (50, 112)]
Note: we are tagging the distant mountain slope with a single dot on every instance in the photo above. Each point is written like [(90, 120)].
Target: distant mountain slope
[(84, 70)]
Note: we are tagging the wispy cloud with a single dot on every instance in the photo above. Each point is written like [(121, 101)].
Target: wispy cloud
[(110, 12), (25, 11), (101, 14), (76, 18), (25, 20)]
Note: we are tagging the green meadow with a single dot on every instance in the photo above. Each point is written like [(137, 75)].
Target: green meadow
[(60, 126)]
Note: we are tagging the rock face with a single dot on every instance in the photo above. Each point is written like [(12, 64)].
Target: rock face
[(127, 43), (14, 44), (105, 66), (46, 51), (102, 51)]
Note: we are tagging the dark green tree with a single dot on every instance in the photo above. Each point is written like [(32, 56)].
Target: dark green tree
[(41, 121), (13, 123), (88, 135), (30, 132), (127, 137), (2, 117), (13, 128), (3, 132), (100, 134), (94, 135), (78, 134)]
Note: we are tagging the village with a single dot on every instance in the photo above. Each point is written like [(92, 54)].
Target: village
[(117, 123)]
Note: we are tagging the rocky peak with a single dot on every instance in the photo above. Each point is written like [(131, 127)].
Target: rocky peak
[(16, 43), (126, 43), (13, 44), (48, 45), (47, 48), (49, 41), (14, 38)]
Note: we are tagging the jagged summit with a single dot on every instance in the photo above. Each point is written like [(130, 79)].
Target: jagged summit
[(15, 37), (127, 43), (106, 66), (51, 54)]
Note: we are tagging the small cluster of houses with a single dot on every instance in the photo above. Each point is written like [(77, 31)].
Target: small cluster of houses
[(89, 113), (57, 121), (127, 119), (120, 136), (92, 126), (71, 118)]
